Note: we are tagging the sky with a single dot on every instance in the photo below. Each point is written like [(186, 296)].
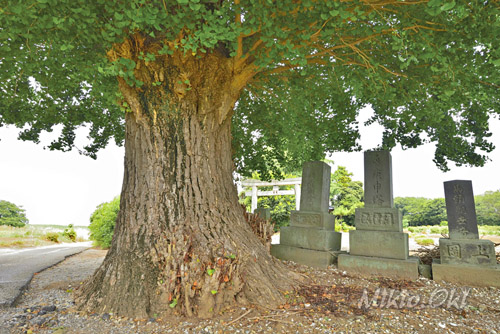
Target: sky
[(64, 188), (55, 187)]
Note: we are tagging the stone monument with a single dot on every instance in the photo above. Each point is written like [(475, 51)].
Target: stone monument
[(379, 246), (465, 258), (263, 213), (311, 238)]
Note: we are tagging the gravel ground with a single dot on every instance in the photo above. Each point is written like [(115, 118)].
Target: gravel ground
[(333, 302)]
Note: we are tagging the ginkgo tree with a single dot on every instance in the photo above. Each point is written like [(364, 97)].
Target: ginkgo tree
[(188, 85)]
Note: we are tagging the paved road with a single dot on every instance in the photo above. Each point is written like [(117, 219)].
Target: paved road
[(17, 266)]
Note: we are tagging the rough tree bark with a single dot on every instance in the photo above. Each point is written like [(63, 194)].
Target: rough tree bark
[(181, 243)]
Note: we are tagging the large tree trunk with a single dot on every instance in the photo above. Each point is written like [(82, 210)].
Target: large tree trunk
[(181, 243)]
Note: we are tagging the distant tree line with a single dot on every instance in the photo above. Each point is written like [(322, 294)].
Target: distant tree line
[(419, 211)]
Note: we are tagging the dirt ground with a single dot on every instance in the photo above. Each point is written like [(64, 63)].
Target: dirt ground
[(333, 302)]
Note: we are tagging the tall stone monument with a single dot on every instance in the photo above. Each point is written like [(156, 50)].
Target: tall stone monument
[(465, 258), (311, 238), (379, 246)]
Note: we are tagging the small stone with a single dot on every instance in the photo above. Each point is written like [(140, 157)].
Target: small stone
[(40, 321), (50, 308), (152, 320), (106, 316)]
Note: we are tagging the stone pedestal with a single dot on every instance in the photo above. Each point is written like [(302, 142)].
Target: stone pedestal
[(390, 245), (378, 246), (379, 266), (468, 252), (465, 258), (467, 274), (311, 238)]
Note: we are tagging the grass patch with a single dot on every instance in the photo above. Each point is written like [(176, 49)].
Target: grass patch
[(52, 237), (37, 235), (483, 230), (423, 241), (489, 230), (22, 243), (417, 229), (435, 229)]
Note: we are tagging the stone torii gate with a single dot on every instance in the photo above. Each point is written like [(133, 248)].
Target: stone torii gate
[(255, 193)]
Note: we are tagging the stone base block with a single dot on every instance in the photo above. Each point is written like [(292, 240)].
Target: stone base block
[(376, 266), (309, 257), (425, 270), (379, 219), (467, 275), (392, 245), (312, 219), (310, 238), (476, 252)]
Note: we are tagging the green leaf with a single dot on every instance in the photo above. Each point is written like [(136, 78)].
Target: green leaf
[(448, 6), (210, 272), (173, 303), (214, 292), (195, 6), (434, 3)]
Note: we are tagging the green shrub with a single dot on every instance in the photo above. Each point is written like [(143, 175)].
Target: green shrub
[(281, 207), (443, 223), (417, 229), (343, 227), (421, 229), (12, 215), (422, 241), (102, 223), (435, 230), (444, 230), (489, 230), (52, 236), (69, 233)]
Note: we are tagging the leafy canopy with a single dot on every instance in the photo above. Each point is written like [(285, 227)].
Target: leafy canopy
[(428, 68), (346, 194), (12, 215)]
